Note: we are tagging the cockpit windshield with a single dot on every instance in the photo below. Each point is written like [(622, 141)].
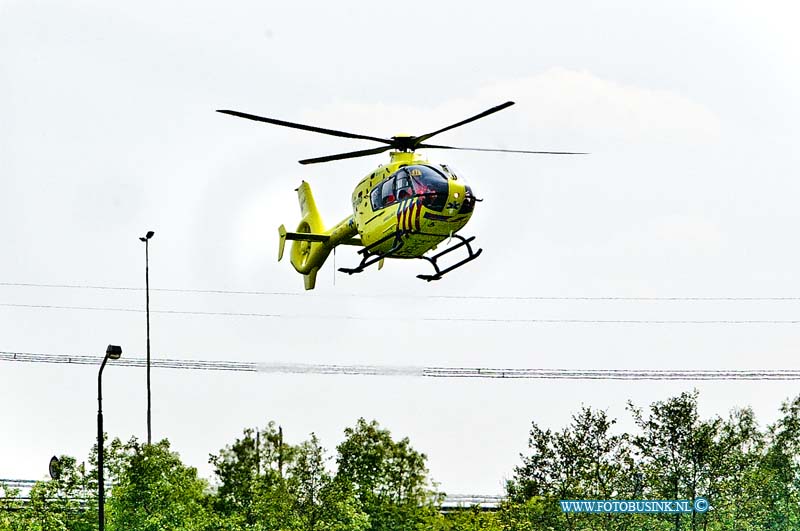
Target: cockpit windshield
[(431, 185), (422, 181)]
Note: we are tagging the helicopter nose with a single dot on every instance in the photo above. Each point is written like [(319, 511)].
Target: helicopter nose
[(457, 191), (457, 197), (463, 197)]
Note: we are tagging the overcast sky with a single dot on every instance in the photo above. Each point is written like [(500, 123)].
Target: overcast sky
[(689, 110)]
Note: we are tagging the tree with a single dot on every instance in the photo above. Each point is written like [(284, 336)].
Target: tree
[(678, 453), (321, 502), (154, 491), (10, 508), (388, 477), (737, 485), (583, 461), (252, 491), (268, 484), (468, 519), (780, 470), (64, 504)]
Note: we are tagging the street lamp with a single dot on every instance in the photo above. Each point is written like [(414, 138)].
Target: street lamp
[(146, 240), (113, 352)]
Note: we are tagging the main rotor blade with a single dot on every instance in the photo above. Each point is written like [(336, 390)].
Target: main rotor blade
[(431, 146), (311, 128), (350, 155), (493, 110)]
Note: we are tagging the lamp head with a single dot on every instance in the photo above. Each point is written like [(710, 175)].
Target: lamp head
[(114, 352)]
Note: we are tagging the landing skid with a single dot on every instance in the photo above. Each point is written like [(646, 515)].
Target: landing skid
[(441, 272), (368, 257)]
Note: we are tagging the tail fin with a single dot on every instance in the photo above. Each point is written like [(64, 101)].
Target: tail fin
[(308, 252), (312, 243), (308, 209)]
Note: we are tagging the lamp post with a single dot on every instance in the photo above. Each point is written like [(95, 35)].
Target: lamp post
[(146, 240), (113, 352)]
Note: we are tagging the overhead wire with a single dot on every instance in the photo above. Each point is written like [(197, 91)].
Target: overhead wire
[(341, 317), (398, 295), (415, 371)]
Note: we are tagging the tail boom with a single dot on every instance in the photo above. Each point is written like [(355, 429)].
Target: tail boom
[(311, 242)]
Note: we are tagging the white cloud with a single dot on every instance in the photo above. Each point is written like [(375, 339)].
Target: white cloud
[(562, 105), (562, 99)]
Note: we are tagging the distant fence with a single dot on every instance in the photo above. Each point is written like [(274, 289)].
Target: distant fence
[(451, 502), (18, 483), (484, 502)]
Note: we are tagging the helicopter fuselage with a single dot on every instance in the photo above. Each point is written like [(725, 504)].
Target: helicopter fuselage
[(400, 210), (422, 203)]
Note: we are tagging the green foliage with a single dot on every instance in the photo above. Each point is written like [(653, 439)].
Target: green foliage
[(535, 514), (470, 519), (250, 472), (583, 461), (252, 491), (779, 471), (10, 507), (678, 453), (62, 504), (388, 477), (268, 484), (321, 502), (155, 491), (750, 475)]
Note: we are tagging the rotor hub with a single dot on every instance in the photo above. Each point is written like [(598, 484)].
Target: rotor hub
[(404, 142)]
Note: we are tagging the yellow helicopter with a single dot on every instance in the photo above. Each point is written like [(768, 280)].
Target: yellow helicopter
[(400, 210)]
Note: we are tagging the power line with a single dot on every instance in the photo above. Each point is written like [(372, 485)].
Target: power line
[(396, 295), (413, 371), (339, 317)]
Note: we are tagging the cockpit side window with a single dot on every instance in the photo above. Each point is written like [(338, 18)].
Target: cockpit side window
[(375, 198), (403, 185), (384, 194), (387, 192)]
